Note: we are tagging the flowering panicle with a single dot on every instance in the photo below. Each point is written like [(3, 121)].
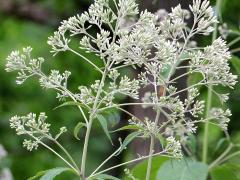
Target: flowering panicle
[(174, 147), (221, 117), (23, 64), (157, 43), (36, 127)]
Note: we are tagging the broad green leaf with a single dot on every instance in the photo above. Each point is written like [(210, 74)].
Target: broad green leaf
[(105, 177), (183, 170), (52, 173), (128, 127), (140, 170), (39, 174), (77, 129), (70, 103), (226, 172), (104, 125), (235, 61), (128, 139)]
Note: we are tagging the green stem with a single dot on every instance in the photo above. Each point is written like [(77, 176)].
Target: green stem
[(66, 152), (89, 125), (222, 156), (149, 167), (209, 98), (206, 127)]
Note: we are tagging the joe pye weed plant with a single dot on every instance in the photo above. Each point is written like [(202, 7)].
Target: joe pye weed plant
[(157, 43)]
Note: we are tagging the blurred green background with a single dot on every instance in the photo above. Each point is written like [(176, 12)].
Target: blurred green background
[(30, 22)]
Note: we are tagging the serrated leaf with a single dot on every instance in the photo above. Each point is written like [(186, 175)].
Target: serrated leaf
[(104, 125), (77, 129), (128, 139), (70, 103), (185, 169), (105, 177)]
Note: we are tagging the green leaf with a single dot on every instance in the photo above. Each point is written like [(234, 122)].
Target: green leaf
[(52, 173), (128, 139), (235, 61), (104, 125), (226, 172), (49, 174), (39, 174), (140, 170), (77, 129), (185, 169), (70, 103), (105, 177), (128, 127)]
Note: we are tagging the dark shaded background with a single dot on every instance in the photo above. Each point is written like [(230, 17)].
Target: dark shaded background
[(30, 22)]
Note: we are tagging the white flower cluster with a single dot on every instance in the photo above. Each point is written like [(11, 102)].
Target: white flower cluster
[(213, 64), (174, 147), (23, 64), (221, 117), (35, 127), (147, 127), (26, 67)]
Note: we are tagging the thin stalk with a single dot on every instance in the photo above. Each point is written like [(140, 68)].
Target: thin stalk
[(66, 152), (152, 143), (49, 148), (234, 41), (89, 125), (230, 156), (206, 127), (151, 151), (106, 160), (129, 162), (209, 98), (235, 50), (54, 152), (86, 59), (216, 162)]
